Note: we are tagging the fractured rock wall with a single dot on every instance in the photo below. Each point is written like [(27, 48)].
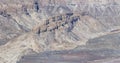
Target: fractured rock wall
[(50, 25)]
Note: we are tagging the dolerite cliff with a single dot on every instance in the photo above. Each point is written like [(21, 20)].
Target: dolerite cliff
[(91, 28)]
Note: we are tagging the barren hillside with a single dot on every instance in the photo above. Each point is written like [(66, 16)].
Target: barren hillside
[(69, 31)]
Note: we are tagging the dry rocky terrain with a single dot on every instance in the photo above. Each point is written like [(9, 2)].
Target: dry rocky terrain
[(59, 31)]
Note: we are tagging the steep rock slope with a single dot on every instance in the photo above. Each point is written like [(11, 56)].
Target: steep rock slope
[(28, 26), (70, 31), (27, 14)]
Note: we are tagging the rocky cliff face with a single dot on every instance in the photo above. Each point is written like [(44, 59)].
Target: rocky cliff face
[(37, 26), (27, 14)]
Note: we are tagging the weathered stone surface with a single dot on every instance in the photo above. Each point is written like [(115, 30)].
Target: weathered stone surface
[(97, 50), (38, 26)]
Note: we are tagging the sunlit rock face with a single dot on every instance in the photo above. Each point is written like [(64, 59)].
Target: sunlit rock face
[(59, 31)]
